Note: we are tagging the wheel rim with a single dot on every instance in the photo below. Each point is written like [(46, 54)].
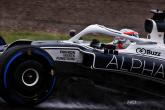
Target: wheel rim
[(30, 77)]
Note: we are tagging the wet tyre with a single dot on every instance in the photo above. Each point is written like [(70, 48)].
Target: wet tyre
[(27, 75)]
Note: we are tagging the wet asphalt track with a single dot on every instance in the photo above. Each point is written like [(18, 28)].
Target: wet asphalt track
[(73, 105), (111, 100)]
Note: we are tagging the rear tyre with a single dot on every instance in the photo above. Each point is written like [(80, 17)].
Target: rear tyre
[(27, 75)]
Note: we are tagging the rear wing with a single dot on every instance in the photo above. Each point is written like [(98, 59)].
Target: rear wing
[(110, 32)]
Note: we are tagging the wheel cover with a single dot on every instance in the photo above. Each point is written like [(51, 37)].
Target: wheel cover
[(30, 77)]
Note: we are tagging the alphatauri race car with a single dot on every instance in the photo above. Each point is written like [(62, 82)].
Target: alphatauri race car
[(31, 70)]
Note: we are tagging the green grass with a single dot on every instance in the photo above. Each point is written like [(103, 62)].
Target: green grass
[(15, 35), (101, 38)]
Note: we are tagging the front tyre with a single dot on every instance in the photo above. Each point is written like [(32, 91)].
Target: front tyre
[(27, 75)]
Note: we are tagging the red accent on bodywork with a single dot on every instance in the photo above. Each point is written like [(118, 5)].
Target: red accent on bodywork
[(130, 33)]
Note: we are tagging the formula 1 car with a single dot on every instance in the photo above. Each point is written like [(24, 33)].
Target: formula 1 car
[(32, 70)]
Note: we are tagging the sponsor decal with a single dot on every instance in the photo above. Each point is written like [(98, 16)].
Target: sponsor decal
[(147, 51), (144, 67), (65, 55)]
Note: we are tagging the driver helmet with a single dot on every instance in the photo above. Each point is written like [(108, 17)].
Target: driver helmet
[(122, 43)]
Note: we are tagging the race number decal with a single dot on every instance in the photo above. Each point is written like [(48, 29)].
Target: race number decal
[(66, 55)]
